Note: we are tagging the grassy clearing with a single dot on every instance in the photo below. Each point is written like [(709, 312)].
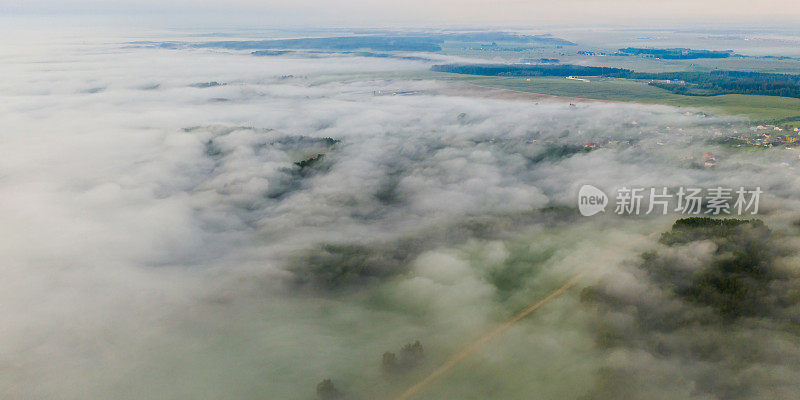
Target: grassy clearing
[(757, 108)]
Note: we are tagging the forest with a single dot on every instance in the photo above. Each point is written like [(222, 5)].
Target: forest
[(676, 54)]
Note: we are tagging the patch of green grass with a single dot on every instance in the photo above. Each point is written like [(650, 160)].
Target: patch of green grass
[(759, 109), (756, 108)]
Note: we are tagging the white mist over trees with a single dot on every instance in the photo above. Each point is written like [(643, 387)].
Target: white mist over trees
[(199, 223)]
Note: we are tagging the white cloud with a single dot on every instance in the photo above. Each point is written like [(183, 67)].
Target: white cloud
[(147, 233)]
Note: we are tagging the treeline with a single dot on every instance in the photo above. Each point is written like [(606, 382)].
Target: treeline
[(504, 37), (378, 43), (686, 83), (726, 82), (677, 54), (541, 60), (528, 70), (389, 42)]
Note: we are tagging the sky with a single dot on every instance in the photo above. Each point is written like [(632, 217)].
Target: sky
[(429, 13)]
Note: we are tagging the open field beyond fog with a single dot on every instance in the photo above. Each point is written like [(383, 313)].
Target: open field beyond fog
[(757, 108)]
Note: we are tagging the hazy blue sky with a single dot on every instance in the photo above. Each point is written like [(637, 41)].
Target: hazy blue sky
[(375, 12)]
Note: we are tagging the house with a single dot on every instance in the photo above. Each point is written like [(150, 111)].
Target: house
[(709, 160)]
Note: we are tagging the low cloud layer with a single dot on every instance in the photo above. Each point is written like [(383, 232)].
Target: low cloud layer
[(208, 224)]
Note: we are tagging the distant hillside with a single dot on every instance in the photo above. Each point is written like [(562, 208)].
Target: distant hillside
[(378, 43), (506, 37), (677, 54), (394, 42), (686, 83), (528, 70)]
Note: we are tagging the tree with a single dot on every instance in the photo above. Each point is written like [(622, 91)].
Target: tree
[(389, 362), (326, 390)]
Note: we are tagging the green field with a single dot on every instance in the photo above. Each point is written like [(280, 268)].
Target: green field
[(757, 108), (569, 55)]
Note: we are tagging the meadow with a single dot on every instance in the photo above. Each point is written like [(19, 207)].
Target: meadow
[(762, 109)]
